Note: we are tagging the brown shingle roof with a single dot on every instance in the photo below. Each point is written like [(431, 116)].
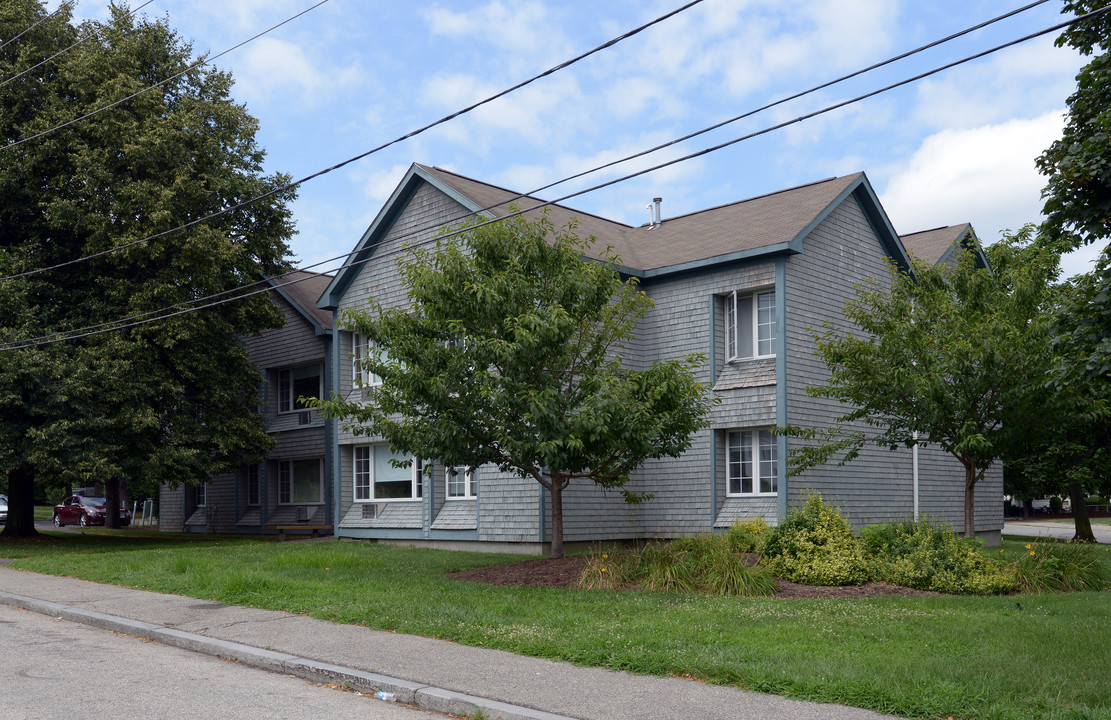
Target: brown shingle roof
[(746, 225), (931, 245), (305, 288)]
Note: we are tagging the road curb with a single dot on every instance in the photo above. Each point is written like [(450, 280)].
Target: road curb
[(425, 697)]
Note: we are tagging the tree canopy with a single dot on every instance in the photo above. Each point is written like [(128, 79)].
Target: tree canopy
[(172, 400), (511, 353)]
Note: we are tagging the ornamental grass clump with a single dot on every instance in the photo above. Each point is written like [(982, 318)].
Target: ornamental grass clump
[(930, 556), (703, 564), (815, 545), (1061, 567)]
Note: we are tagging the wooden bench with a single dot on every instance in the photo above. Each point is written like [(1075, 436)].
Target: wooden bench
[(282, 529)]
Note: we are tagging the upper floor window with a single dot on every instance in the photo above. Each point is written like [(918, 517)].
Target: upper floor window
[(360, 376), (750, 325), (294, 383), (202, 494), (376, 478), (751, 462), (462, 482)]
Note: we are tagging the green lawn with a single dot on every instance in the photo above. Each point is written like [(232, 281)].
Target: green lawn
[(933, 656)]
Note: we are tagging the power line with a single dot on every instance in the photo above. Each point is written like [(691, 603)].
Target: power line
[(44, 18), (542, 204), (414, 133), (65, 50), (203, 61)]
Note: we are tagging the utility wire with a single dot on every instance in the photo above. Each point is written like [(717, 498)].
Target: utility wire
[(38, 22), (203, 61), (542, 204), (61, 52), (333, 168)]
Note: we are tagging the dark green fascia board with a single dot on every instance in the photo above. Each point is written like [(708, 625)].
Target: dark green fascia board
[(381, 226), (317, 328), (968, 240), (706, 263)]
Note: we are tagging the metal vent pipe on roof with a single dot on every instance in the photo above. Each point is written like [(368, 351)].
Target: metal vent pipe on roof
[(659, 217)]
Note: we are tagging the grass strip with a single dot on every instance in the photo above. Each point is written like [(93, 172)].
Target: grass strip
[(1019, 657)]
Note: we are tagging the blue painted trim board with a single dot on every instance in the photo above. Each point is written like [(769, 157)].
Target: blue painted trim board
[(781, 377)]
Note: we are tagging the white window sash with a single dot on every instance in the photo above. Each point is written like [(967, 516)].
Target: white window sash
[(751, 463), (751, 324)]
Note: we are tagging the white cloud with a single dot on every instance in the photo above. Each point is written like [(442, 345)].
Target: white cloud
[(1031, 78), (272, 69), (516, 26), (982, 175)]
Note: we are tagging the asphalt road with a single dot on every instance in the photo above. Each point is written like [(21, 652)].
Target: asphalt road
[(59, 669)]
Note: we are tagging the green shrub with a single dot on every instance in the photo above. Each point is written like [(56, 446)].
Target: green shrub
[(1061, 567), (816, 546), (930, 556), (1056, 504), (748, 536), (1096, 500)]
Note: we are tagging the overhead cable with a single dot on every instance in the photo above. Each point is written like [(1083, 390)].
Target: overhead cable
[(65, 50), (80, 333), (333, 168), (38, 22), (203, 61)]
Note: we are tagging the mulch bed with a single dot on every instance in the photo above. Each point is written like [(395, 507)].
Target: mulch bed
[(565, 572)]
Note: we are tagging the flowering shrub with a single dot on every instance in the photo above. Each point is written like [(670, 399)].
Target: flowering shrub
[(930, 556), (816, 546)]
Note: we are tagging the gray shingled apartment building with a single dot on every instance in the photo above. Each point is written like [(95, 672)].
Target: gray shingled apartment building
[(741, 283)]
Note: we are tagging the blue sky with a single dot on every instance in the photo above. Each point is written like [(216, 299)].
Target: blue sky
[(352, 74)]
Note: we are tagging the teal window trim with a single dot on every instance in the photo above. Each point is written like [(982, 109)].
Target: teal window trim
[(781, 377)]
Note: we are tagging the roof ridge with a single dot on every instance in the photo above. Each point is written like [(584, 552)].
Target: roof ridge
[(568, 208), (754, 197)]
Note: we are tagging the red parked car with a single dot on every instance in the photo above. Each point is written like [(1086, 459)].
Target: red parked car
[(83, 511)]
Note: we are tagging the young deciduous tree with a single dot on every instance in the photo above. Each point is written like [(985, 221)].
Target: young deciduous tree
[(958, 354), (171, 400), (511, 354)]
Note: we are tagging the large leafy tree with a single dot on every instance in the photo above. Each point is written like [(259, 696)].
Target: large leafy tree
[(511, 353), (172, 400), (952, 355)]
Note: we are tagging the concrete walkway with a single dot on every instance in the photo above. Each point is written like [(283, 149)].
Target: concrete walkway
[(430, 674), (1050, 529)]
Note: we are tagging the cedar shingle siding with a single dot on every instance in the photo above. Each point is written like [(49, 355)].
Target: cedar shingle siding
[(809, 244)]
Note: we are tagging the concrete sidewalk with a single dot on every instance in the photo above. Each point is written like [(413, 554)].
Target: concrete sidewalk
[(430, 674), (1050, 529)]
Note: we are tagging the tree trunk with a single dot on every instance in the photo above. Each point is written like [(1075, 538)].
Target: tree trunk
[(1028, 508), (969, 501), (21, 504), (1080, 514), (557, 515), (112, 503)]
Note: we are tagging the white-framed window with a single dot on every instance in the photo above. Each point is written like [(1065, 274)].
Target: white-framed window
[(751, 462), (253, 495), (361, 347), (202, 494), (298, 382), (300, 482), (375, 478), (462, 482), (750, 324)]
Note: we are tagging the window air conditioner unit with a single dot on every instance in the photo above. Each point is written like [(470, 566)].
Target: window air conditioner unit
[(304, 417)]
